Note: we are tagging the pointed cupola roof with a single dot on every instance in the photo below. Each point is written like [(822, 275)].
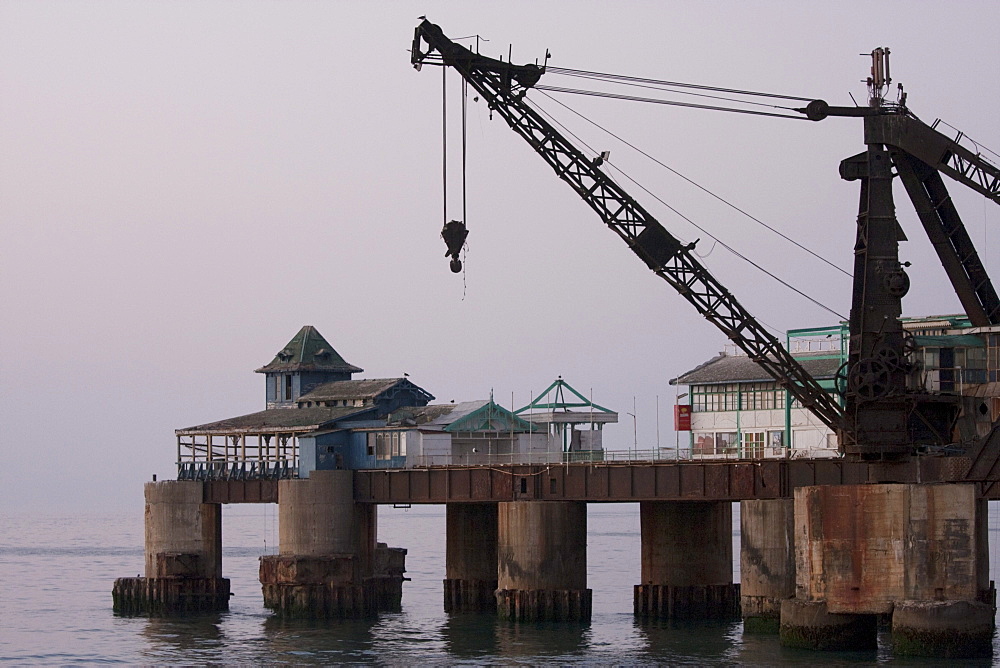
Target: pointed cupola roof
[(308, 351)]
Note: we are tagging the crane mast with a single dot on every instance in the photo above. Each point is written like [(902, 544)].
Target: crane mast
[(503, 86), (888, 418)]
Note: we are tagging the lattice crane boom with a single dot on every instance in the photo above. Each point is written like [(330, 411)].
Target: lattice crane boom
[(502, 86)]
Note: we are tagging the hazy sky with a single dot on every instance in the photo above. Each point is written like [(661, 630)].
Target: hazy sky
[(185, 184)]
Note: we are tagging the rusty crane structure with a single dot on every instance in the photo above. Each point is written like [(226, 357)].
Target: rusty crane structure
[(881, 417)]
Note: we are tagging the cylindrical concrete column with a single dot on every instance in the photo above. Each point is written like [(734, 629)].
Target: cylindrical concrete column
[(687, 560), (767, 562), (183, 554), (317, 516), (179, 523), (542, 556), (470, 557), (917, 551), (326, 561)]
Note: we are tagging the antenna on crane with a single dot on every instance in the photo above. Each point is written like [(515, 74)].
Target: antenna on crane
[(878, 82), (880, 78)]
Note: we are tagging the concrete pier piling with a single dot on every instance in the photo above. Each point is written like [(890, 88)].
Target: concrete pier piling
[(767, 562), (183, 555), (329, 564), (916, 551), (470, 557), (687, 573), (542, 556), (811, 625)]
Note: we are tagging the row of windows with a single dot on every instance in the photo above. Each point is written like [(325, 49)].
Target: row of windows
[(386, 444), (735, 396), (337, 402), (728, 443)]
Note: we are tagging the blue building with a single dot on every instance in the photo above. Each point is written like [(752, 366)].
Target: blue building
[(316, 416)]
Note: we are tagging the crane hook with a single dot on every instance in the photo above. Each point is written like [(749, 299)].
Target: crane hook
[(454, 234)]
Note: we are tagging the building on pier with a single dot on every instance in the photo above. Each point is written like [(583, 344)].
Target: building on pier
[(317, 416), (313, 406), (575, 423), (738, 411)]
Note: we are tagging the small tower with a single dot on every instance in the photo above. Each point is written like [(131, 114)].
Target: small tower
[(306, 361)]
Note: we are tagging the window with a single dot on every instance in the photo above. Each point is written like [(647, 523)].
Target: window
[(761, 397), (776, 439), (385, 445), (714, 398), (753, 444), (726, 443), (993, 359), (704, 444), (288, 387)]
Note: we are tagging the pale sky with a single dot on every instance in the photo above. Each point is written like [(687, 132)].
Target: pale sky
[(183, 185)]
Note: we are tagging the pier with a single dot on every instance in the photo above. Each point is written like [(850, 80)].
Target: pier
[(825, 552), (829, 545)]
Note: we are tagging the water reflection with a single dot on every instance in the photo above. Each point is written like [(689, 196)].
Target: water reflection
[(189, 636), (541, 639), (694, 641), (324, 641), (470, 635)]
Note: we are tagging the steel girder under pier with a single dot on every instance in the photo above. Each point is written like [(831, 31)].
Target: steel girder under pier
[(674, 481)]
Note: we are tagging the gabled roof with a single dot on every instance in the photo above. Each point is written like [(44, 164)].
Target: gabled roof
[(490, 417), (308, 351), (361, 389), (276, 420), (432, 416), (554, 397), (739, 368)]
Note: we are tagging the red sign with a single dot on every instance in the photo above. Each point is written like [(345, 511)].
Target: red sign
[(682, 418)]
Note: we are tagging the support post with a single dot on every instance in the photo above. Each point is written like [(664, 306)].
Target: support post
[(471, 557), (918, 552), (542, 554), (767, 562), (687, 561), (329, 564), (183, 571)]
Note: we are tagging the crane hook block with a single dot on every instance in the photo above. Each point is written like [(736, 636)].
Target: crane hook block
[(454, 234)]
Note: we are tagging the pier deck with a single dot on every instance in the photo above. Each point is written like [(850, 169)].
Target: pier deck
[(613, 482)]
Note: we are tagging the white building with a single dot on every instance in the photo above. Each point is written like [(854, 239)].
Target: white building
[(738, 411)]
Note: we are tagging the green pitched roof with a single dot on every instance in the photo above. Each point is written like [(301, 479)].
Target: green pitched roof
[(490, 417), (308, 351), (560, 403)]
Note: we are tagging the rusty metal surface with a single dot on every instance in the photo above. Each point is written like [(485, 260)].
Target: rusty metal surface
[(595, 482), (608, 482), (241, 491)]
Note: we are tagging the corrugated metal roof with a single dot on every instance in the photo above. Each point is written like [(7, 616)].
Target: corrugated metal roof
[(738, 368), (434, 416), (277, 419), (490, 417), (308, 351)]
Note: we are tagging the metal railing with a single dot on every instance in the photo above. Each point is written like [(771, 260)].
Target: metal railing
[(247, 470), (280, 470), (612, 456)]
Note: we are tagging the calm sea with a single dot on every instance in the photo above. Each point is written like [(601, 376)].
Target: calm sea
[(56, 574)]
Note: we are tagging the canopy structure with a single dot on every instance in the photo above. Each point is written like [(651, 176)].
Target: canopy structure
[(563, 416)]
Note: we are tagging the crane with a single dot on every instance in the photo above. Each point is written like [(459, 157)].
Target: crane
[(881, 417)]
